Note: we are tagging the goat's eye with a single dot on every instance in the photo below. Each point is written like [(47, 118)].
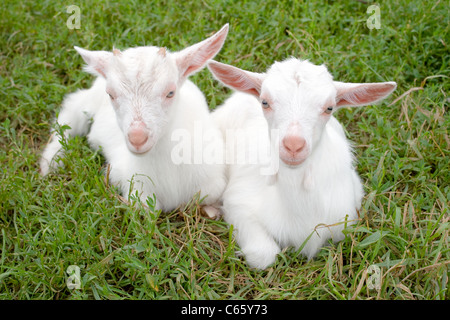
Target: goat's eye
[(265, 104), (110, 95), (328, 110), (170, 94)]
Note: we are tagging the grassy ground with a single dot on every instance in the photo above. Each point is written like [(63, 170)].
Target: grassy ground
[(72, 218)]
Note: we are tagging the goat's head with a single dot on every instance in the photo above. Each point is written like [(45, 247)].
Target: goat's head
[(298, 99), (143, 84)]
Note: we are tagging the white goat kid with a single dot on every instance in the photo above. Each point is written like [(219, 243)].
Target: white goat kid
[(316, 191), (140, 98)]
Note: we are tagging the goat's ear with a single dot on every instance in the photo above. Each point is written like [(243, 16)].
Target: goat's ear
[(194, 58), (97, 61), (238, 79), (361, 94)]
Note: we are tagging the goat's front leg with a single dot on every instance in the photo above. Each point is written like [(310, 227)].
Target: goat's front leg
[(257, 245)]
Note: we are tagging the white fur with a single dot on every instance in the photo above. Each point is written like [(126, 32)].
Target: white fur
[(315, 199), (139, 81)]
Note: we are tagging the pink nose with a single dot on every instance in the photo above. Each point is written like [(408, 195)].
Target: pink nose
[(294, 144), (138, 135)]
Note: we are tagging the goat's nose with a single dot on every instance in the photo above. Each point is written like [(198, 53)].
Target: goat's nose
[(138, 135), (294, 144)]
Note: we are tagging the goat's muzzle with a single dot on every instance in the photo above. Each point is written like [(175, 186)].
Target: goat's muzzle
[(293, 150), (138, 138)]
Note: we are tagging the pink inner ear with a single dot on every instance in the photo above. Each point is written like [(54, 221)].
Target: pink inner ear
[(195, 57), (97, 61), (100, 70), (195, 60), (236, 78), (191, 64), (363, 94)]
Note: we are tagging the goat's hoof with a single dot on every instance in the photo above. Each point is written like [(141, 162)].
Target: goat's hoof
[(212, 212)]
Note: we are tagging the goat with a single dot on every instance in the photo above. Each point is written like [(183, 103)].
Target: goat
[(316, 191), (140, 98)]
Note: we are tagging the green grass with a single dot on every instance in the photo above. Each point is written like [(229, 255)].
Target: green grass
[(124, 251)]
